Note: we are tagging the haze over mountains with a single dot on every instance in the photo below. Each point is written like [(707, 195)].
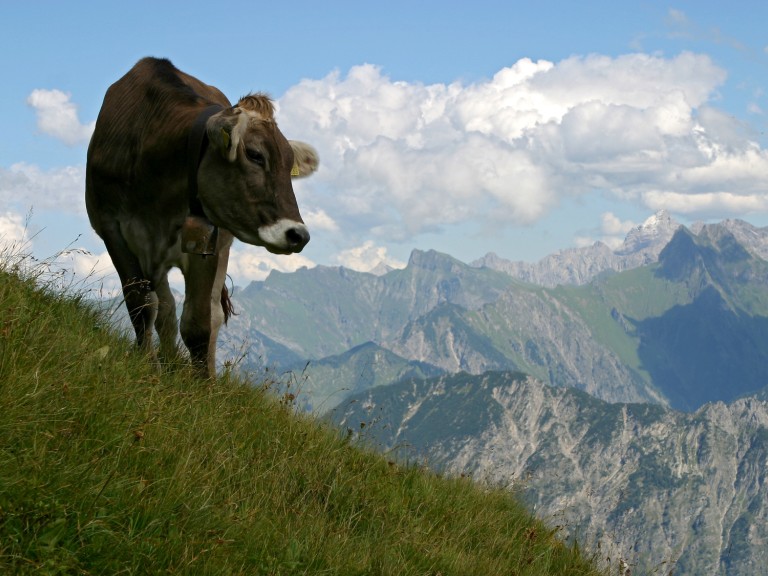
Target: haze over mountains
[(628, 388)]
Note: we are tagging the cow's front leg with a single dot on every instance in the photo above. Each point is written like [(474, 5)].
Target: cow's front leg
[(196, 322), (204, 278)]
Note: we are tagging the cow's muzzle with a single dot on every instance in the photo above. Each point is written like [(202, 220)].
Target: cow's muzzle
[(284, 236), (297, 238)]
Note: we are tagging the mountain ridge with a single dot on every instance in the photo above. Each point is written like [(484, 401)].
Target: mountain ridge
[(641, 246), (623, 337), (649, 483)]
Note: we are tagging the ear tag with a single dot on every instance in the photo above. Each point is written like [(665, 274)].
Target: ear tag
[(225, 138), (295, 169)]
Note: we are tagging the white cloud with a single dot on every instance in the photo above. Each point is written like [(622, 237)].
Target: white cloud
[(87, 264), (57, 116), (248, 263), (611, 232), (612, 225), (13, 231), (61, 189), (319, 219), (613, 229), (712, 204), (400, 159), (677, 17), (367, 258)]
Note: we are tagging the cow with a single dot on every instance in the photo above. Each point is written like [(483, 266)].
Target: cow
[(174, 172)]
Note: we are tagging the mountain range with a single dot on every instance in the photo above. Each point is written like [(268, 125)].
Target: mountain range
[(685, 326), (624, 392)]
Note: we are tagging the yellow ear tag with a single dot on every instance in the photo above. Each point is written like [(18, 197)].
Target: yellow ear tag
[(225, 138), (295, 169)]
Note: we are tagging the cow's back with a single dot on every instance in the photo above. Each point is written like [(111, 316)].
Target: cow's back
[(140, 134)]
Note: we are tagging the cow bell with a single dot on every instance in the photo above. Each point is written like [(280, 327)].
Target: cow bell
[(199, 236)]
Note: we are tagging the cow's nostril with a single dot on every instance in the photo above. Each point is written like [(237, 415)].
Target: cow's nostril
[(297, 237)]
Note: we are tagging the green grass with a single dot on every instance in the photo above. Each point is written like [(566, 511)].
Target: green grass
[(108, 466)]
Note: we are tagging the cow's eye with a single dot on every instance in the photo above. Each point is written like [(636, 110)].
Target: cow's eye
[(256, 157)]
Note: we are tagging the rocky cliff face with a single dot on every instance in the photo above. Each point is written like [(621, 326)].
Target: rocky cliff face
[(661, 489), (753, 238), (529, 330)]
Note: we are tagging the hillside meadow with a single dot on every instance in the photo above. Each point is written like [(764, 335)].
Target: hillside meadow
[(109, 465)]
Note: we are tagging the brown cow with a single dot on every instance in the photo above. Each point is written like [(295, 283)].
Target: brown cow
[(170, 156)]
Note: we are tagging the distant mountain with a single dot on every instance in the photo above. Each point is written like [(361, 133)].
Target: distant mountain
[(650, 484), (754, 239), (545, 333), (641, 246), (688, 329), (331, 380), (650, 236), (325, 311), (721, 335)]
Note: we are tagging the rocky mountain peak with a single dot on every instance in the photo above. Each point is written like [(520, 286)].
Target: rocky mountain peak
[(657, 230), (433, 260)]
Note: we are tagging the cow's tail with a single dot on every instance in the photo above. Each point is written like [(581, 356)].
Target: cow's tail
[(226, 304)]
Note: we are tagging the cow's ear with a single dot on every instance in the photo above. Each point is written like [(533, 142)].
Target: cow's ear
[(305, 159), (225, 130)]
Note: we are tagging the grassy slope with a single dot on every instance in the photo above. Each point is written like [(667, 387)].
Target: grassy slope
[(107, 466)]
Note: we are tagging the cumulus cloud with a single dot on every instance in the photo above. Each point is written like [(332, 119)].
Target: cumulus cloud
[(612, 224), (319, 219), (13, 232), (60, 189), (403, 158), (613, 229), (87, 264), (57, 116), (248, 263), (611, 232), (368, 258)]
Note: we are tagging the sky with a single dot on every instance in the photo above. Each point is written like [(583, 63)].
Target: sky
[(519, 128)]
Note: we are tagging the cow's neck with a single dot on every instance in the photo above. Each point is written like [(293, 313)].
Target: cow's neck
[(198, 235), (197, 141)]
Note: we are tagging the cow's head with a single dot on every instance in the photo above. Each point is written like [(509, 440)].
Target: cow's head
[(244, 179)]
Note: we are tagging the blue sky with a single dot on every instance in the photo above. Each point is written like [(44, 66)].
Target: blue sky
[(518, 128)]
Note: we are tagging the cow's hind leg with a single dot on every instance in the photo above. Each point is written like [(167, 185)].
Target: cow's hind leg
[(140, 298)]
